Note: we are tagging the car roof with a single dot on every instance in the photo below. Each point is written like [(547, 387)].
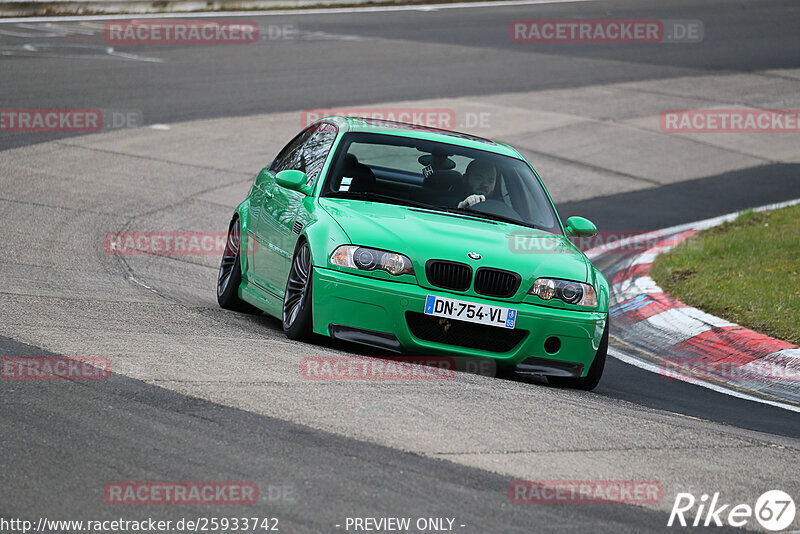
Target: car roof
[(387, 127)]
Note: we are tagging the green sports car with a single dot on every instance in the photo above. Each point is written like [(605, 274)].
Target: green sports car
[(418, 240)]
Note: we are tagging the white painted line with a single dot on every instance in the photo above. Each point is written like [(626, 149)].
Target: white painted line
[(136, 57), (649, 366), (633, 287), (649, 256), (294, 12), (790, 354), (786, 359), (680, 324)]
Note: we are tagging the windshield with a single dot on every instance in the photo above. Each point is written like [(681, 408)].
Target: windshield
[(439, 176)]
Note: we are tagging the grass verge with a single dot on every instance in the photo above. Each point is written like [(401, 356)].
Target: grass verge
[(746, 271)]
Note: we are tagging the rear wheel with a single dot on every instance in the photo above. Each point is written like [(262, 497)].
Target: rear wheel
[(230, 273), (592, 378), (297, 317)]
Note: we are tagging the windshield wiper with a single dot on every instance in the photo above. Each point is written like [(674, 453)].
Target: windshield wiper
[(367, 195), (492, 216)]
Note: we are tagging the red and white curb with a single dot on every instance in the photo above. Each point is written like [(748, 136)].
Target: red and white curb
[(684, 343)]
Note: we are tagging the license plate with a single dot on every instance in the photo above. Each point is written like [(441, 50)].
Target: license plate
[(470, 311)]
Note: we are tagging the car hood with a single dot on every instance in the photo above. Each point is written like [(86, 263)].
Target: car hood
[(423, 235)]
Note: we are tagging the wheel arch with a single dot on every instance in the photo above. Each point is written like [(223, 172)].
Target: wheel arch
[(600, 283), (243, 212), (323, 236)]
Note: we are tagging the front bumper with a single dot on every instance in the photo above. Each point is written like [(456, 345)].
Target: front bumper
[(350, 301)]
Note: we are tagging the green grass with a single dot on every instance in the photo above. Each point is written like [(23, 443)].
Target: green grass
[(746, 271)]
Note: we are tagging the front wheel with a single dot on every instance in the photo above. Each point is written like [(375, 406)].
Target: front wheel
[(592, 378), (230, 274), (297, 317)]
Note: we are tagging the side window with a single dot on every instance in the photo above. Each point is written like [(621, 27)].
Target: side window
[(316, 150), (307, 152), (285, 158)]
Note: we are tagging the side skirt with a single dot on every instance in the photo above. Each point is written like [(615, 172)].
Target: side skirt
[(261, 299)]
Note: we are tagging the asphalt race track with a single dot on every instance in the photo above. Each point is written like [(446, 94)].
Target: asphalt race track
[(203, 394)]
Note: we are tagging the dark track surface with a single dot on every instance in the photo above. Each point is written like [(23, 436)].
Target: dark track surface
[(217, 81), (71, 438)]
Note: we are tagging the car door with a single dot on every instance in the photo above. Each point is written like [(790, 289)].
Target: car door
[(262, 254), (308, 153), (256, 240)]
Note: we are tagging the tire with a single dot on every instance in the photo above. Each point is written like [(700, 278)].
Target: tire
[(592, 378), (230, 273), (297, 315)]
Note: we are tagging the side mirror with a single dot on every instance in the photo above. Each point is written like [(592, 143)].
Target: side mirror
[(294, 180), (580, 227)]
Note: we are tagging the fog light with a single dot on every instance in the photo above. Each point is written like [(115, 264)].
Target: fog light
[(552, 345)]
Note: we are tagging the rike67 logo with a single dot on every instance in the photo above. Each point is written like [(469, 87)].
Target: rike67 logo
[(774, 510)]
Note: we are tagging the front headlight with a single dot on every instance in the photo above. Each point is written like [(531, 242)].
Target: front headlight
[(370, 259), (570, 292)]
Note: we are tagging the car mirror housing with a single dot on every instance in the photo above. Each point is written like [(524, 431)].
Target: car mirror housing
[(294, 180), (580, 227)]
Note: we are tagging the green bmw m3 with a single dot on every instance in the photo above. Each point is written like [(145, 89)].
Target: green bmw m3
[(418, 240)]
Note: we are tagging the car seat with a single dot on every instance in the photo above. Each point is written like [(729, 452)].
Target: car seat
[(363, 179)]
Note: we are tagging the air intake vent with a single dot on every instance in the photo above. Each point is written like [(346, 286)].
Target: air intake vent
[(449, 274), (496, 282), (298, 227), (464, 334)]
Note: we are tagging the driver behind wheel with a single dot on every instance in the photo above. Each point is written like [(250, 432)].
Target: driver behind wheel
[(480, 180)]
